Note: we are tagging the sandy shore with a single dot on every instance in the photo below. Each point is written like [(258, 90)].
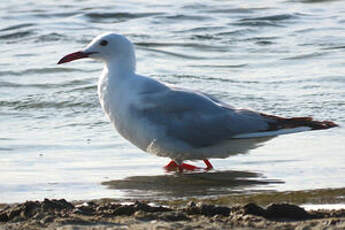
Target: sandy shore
[(266, 210)]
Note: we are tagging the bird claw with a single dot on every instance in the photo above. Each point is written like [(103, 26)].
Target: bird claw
[(173, 166), (188, 167)]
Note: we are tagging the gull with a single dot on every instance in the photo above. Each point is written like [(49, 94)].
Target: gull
[(178, 123)]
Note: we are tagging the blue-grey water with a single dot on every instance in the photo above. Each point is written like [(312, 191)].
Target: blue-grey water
[(281, 57)]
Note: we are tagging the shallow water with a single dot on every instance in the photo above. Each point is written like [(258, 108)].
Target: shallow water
[(284, 58)]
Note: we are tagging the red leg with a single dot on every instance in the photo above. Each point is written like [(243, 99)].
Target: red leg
[(172, 166), (209, 166), (187, 167)]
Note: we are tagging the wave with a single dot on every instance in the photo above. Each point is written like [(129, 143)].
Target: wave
[(15, 35), (50, 37), (196, 45), (36, 103), (188, 17), (121, 16), (202, 29), (220, 66), (334, 47), (6, 84), (256, 24), (243, 10), (236, 32), (272, 18), (54, 15), (43, 71), (305, 56), (215, 79), (175, 54), (18, 26)]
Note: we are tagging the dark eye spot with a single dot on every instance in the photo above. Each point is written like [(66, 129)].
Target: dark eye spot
[(103, 43)]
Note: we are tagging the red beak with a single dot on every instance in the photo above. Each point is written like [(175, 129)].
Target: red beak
[(74, 56)]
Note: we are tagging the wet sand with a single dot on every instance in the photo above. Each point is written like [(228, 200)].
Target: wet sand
[(261, 210)]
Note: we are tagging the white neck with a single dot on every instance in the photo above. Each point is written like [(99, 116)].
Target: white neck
[(122, 65)]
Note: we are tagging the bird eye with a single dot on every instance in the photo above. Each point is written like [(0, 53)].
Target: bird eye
[(103, 43)]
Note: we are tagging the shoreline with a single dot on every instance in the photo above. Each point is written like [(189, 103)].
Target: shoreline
[(262, 210)]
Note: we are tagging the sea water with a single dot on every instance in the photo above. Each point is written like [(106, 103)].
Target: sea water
[(278, 57)]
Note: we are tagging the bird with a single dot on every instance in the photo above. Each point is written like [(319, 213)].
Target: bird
[(174, 122)]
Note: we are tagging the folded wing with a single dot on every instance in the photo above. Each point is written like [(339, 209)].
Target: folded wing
[(197, 119)]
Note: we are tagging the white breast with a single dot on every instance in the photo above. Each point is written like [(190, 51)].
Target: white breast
[(117, 98)]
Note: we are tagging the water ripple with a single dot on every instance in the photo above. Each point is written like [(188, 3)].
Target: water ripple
[(256, 24), (196, 45), (272, 18), (216, 79), (201, 29), (18, 26), (116, 17), (15, 35), (175, 54), (236, 32), (226, 10), (38, 103), (53, 15), (46, 85), (50, 37), (334, 47), (184, 17), (220, 66), (42, 71), (304, 56), (122, 15)]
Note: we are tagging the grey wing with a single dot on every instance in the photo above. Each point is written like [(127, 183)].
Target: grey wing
[(198, 120), (206, 95)]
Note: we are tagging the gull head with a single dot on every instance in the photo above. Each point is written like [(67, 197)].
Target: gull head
[(108, 47)]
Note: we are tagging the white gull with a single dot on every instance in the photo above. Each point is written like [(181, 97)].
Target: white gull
[(174, 122)]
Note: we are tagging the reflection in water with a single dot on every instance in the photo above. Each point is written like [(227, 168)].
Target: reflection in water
[(191, 184)]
